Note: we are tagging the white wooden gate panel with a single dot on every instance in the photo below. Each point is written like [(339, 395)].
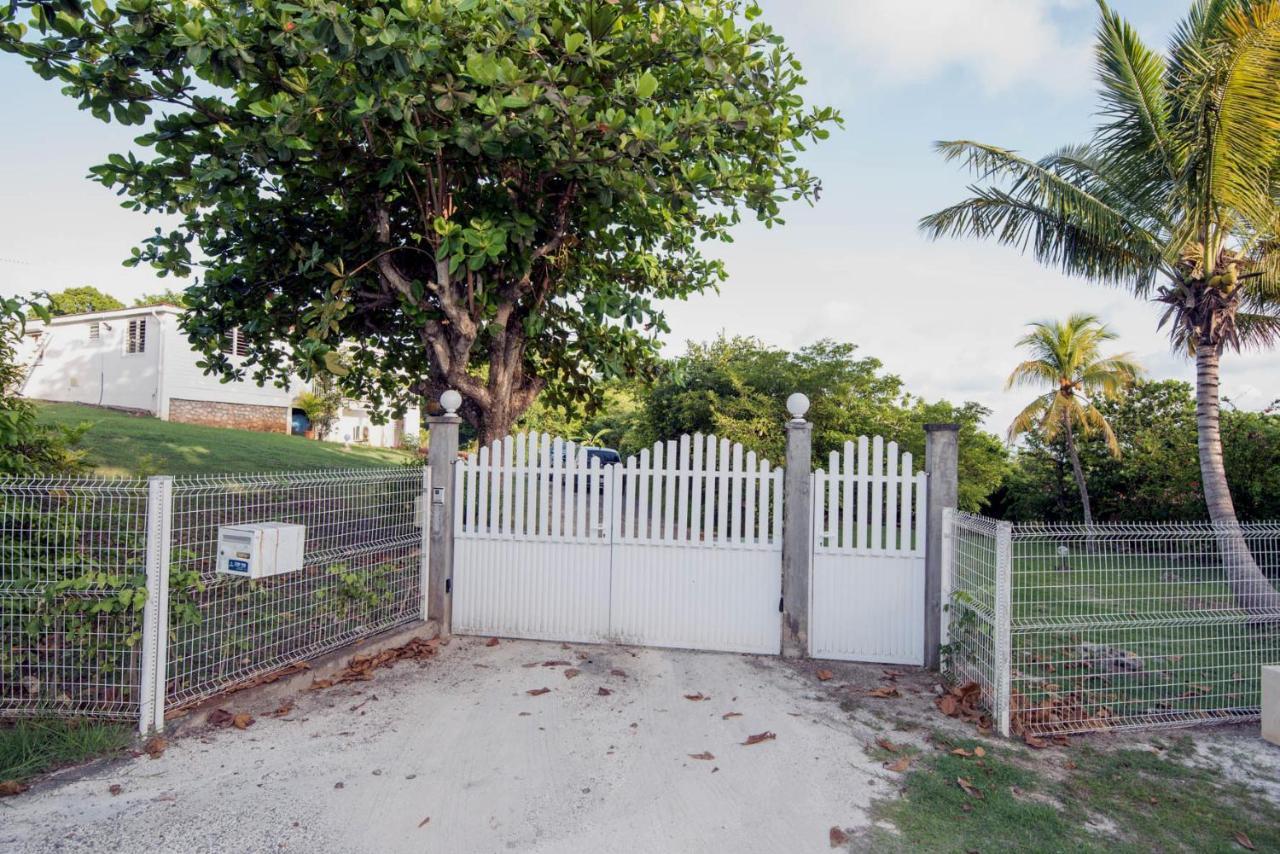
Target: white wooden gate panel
[(531, 542), (697, 549), (679, 547), (867, 584)]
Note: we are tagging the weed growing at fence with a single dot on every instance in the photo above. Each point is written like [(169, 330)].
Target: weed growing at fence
[(32, 746)]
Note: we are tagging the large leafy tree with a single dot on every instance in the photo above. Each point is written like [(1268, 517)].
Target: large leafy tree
[(81, 299), (1067, 360), (1176, 198), (737, 388), (478, 194)]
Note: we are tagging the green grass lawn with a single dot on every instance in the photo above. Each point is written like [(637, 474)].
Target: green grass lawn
[(1130, 800), (120, 444)]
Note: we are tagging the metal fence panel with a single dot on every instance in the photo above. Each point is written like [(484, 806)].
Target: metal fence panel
[(1125, 626), (1069, 629), (72, 593), (361, 574), (970, 654)]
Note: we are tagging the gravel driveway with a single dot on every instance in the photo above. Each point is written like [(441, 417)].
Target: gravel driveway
[(456, 755)]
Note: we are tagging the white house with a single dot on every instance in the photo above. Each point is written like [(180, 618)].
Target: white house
[(138, 359)]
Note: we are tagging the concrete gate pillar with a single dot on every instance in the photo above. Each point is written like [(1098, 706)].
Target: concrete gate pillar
[(797, 532), (442, 453), (942, 462)]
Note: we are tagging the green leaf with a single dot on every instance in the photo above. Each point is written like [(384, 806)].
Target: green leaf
[(573, 41), (646, 85)]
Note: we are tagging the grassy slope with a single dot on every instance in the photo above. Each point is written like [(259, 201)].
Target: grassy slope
[(121, 444)]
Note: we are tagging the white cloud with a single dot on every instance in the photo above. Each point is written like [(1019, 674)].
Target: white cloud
[(1002, 43)]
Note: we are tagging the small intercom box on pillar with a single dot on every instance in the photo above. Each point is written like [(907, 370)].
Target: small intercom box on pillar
[(261, 549)]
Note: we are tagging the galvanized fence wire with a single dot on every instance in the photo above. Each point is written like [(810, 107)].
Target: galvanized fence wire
[(969, 646), (361, 573), (72, 593), (1071, 629), (1129, 626)]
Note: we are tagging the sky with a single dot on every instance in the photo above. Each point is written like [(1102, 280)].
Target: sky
[(944, 316)]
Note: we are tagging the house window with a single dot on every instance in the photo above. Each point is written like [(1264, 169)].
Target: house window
[(94, 331), (136, 339), (235, 343)]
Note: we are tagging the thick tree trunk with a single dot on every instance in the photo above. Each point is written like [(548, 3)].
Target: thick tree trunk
[(1249, 586), (1079, 474)]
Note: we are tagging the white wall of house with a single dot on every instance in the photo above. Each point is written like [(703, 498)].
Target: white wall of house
[(354, 425), (139, 358), (89, 358)]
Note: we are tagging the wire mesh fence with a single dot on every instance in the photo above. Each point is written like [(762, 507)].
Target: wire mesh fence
[(1119, 626), (361, 573), (112, 605), (72, 593)]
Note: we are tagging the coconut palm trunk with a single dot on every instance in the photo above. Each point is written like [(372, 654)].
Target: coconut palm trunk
[(1249, 585), (1078, 470)]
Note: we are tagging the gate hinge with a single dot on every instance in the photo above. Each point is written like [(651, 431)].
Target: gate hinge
[(448, 585), (779, 604)]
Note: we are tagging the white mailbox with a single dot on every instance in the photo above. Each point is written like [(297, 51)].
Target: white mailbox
[(260, 549)]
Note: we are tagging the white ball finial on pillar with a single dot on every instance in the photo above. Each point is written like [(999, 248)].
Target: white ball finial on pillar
[(797, 405), (450, 400)]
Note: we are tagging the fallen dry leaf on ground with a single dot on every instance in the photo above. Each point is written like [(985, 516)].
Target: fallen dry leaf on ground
[(884, 693), (490, 642), (155, 746), (706, 754), (219, 718), (284, 709), (837, 837), (423, 823), (617, 671), (556, 663), (978, 751), (824, 675), (900, 765), (1033, 741), (242, 721), (728, 715), (960, 751), (9, 788), (1243, 840), (538, 692), (697, 698), (603, 691), (115, 789), (969, 788), (321, 684), (759, 737), (571, 672)]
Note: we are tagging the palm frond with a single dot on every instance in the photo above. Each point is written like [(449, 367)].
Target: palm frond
[(1042, 212), (1134, 102), (1246, 139), (1031, 417)]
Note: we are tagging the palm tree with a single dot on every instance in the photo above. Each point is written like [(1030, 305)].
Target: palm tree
[(1175, 198), (1065, 357)]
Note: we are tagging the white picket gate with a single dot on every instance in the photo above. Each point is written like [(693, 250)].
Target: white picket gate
[(867, 584), (678, 547)]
